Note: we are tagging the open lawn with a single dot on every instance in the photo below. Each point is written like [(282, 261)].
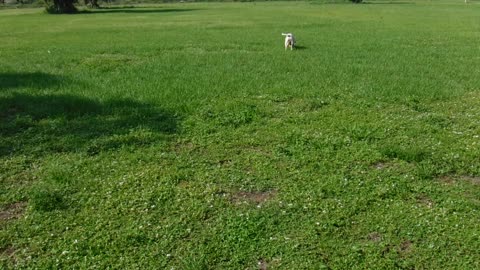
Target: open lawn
[(183, 136)]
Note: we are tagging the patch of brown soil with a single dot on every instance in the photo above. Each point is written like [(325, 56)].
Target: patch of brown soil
[(475, 180), (185, 147), (452, 179), (12, 211), (425, 200), (253, 196), (405, 247), (225, 162), (262, 264), (184, 184), (380, 165), (386, 250), (375, 237), (258, 150), (8, 252), (447, 180)]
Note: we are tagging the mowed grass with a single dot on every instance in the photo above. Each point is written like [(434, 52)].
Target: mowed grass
[(183, 136)]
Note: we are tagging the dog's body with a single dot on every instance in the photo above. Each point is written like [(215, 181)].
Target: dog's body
[(289, 40)]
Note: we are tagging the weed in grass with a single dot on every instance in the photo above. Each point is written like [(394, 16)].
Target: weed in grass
[(314, 105), (47, 198), (408, 154)]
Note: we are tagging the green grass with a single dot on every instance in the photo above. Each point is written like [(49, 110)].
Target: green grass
[(183, 136)]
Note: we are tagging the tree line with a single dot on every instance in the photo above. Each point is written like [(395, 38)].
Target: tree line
[(68, 6)]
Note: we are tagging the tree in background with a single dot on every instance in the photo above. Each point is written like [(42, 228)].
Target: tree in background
[(92, 3), (356, 1), (60, 6)]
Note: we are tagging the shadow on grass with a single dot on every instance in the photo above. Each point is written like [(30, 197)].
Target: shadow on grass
[(134, 10), (35, 79), (388, 2), (300, 47), (44, 124)]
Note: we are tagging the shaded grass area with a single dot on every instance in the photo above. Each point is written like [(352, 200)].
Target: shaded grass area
[(192, 140), (10, 81), (133, 9), (40, 124)]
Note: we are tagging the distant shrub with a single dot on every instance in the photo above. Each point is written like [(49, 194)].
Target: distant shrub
[(60, 6), (91, 3), (356, 1)]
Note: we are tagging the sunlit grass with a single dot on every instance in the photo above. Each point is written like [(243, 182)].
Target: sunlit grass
[(184, 136)]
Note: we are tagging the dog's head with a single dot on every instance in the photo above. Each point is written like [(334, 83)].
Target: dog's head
[(287, 35)]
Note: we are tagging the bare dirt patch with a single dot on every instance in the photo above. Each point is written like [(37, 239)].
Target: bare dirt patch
[(423, 199), (474, 180), (257, 197), (258, 150), (184, 184), (12, 211), (453, 179), (380, 165), (262, 264), (185, 147), (8, 252), (447, 180), (386, 250), (405, 247), (225, 162), (375, 237)]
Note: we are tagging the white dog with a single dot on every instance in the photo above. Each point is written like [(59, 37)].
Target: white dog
[(289, 40)]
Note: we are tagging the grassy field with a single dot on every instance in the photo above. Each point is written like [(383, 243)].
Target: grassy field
[(183, 136)]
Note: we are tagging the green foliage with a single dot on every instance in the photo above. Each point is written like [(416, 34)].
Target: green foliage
[(60, 6), (91, 3), (46, 199)]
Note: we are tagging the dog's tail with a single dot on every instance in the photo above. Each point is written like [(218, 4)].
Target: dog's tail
[(283, 34)]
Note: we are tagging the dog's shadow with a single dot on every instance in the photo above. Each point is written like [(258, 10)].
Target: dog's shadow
[(297, 47)]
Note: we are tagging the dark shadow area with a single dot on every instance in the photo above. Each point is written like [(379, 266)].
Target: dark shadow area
[(35, 79), (333, 2), (297, 47), (134, 10), (43, 124), (388, 3)]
